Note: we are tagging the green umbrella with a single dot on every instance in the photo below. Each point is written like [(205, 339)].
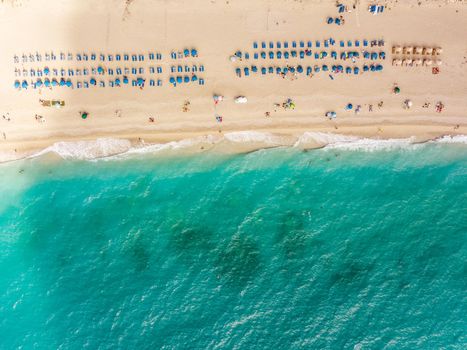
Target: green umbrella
[(84, 115), (397, 90)]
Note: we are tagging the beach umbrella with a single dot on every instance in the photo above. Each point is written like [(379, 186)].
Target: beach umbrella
[(46, 82), (285, 70), (125, 80), (24, 85), (17, 84), (338, 21), (179, 80), (140, 81), (194, 52), (194, 78), (46, 71), (349, 106), (330, 20), (299, 69), (397, 90), (100, 70), (379, 68), (62, 82), (93, 81), (117, 81), (186, 79), (84, 115), (186, 52), (238, 54), (68, 83), (39, 83), (172, 80), (325, 68), (54, 82)]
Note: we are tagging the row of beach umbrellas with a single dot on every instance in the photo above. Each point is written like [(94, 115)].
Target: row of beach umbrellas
[(185, 79), (62, 82), (417, 50)]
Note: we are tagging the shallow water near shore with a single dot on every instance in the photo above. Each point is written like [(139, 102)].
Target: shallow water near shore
[(331, 248)]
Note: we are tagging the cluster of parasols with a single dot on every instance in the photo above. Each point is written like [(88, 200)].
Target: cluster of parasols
[(416, 56)]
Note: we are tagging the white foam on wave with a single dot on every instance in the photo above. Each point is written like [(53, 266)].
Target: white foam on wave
[(452, 139), (86, 150), (323, 138), (253, 137)]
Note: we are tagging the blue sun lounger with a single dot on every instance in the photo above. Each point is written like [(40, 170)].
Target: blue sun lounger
[(158, 56), (238, 72), (302, 44), (340, 8), (134, 70), (326, 43), (159, 70), (246, 70), (334, 55), (111, 83), (271, 70), (278, 45), (263, 45), (286, 44), (349, 43), (294, 44), (255, 56), (357, 43), (316, 55), (302, 54), (365, 42), (263, 70), (279, 55), (102, 57), (179, 69), (271, 45), (278, 70), (293, 53), (255, 45), (152, 82), (201, 81), (308, 52), (325, 68), (201, 68), (271, 55), (292, 69), (341, 43), (317, 43), (309, 44), (193, 69), (151, 56), (151, 70), (159, 82), (309, 70), (110, 58), (348, 70), (317, 69), (366, 55), (78, 57), (85, 57), (356, 70), (374, 56), (247, 56), (119, 71), (263, 55)]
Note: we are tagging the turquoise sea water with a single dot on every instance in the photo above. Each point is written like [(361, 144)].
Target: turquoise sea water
[(326, 249)]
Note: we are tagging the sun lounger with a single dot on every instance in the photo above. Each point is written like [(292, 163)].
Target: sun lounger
[(279, 55), (101, 84), (302, 44), (271, 45), (247, 56), (39, 72), (278, 45), (278, 70), (294, 44), (151, 56), (349, 43), (85, 57), (186, 79), (340, 8), (53, 57), (159, 70), (110, 71), (366, 55), (271, 55), (285, 70), (134, 58), (254, 69), (365, 42), (158, 56), (134, 83), (119, 71), (325, 68), (309, 70), (286, 44), (151, 70), (102, 57), (152, 82), (271, 70), (334, 55), (255, 56), (317, 43), (71, 72), (187, 69), (93, 57), (55, 71), (255, 45), (85, 71), (263, 45), (173, 69), (201, 68), (263, 55), (159, 82), (201, 81), (62, 56), (308, 52), (263, 70), (348, 70), (111, 83), (110, 58), (238, 72), (316, 55), (374, 56), (302, 54), (86, 84), (309, 44), (246, 70), (326, 43), (140, 57), (317, 69), (78, 57), (32, 72), (194, 68), (382, 55), (79, 85), (173, 55), (134, 70), (179, 69)]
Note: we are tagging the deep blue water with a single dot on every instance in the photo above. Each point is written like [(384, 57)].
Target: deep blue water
[(326, 249)]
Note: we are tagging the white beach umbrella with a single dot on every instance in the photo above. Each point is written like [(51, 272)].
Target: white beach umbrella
[(438, 62), (408, 50), (418, 50), (437, 51), (241, 99), (427, 62)]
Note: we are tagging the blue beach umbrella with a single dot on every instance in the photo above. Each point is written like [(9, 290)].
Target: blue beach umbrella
[(117, 81), (54, 82), (194, 78), (338, 21), (172, 80), (330, 20), (292, 69), (39, 83), (179, 79), (93, 81), (194, 52), (379, 68), (186, 79), (24, 85), (125, 80), (285, 70), (325, 68), (186, 52), (140, 81), (47, 82), (68, 83), (17, 84), (300, 69), (100, 70), (349, 107), (46, 71), (62, 82)]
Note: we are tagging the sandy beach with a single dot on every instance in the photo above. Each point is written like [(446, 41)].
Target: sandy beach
[(217, 29)]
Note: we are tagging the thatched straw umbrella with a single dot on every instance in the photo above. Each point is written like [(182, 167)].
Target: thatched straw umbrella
[(427, 62), (396, 62), (428, 51), (438, 62), (397, 50), (417, 62), (437, 51), (407, 62), (418, 50), (408, 50)]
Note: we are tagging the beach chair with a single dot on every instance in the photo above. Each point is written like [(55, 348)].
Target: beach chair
[(85, 57), (317, 43), (263, 70), (187, 69), (349, 43), (25, 72), (294, 44), (309, 70), (278, 45), (102, 57), (286, 44), (140, 57), (247, 56), (254, 69), (271, 70), (255, 56), (326, 43), (201, 81), (159, 70), (338, 21), (126, 57), (255, 45), (93, 57), (134, 58), (302, 54), (110, 71), (47, 57), (79, 85), (246, 71), (159, 82), (86, 84), (334, 55), (179, 69), (141, 70), (271, 55), (263, 44), (38, 57), (286, 55), (151, 56), (71, 72), (341, 43), (357, 43), (372, 8), (126, 70), (134, 70), (194, 68), (119, 71), (152, 71), (78, 71), (263, 55), (118, 57), (158, 56), (152, 82), (238, 72), (201, 68), (316, 55), (78, 57), (271, 44)]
